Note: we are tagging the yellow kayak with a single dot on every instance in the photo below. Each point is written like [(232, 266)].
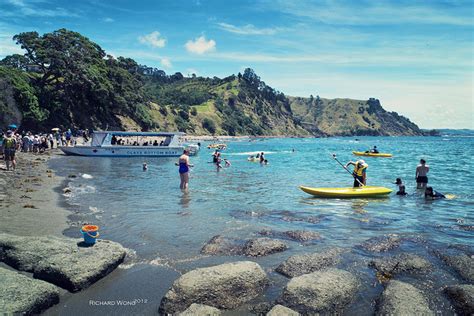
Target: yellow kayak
[(365, 191), (363, 153)]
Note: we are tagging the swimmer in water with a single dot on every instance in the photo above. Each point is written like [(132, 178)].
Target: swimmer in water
[(401, 187), (431, 194), (145, 166)]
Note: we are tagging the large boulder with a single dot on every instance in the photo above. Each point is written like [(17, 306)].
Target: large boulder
[(20, 294), (296, 235), (200, 310), (462, 264), (403, 263), (302, 264), (259, 247), (224, 286), (401, 298), (382, 243), (327, 291), (280, 310), (462, 298), (65, 262)]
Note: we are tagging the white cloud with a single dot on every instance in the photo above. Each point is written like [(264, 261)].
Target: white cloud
[(22, 8), (153, 39), (108, 20), (200, 45), (165, 62), (248, 29), (8, 47)]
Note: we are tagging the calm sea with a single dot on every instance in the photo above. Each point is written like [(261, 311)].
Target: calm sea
[(165, 228)]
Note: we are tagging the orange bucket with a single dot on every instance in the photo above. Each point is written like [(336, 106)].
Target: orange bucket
[(90, 233)]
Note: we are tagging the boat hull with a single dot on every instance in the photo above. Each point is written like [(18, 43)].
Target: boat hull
[(361, 153), (123, 151), (362, 192)]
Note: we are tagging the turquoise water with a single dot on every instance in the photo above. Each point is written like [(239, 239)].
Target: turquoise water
[(165, 228)]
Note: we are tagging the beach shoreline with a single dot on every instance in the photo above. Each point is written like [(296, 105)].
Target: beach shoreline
[(30, 201)]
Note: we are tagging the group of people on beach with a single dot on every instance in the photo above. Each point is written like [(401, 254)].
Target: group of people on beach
[(421, 177), (13, 141)]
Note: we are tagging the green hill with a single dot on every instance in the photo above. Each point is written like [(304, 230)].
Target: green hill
[(65, 80), (346, 117)]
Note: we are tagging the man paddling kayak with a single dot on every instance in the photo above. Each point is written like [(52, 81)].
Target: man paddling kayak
[(359, 172)]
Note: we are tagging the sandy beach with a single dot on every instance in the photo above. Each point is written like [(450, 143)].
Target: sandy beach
[(29, 203)]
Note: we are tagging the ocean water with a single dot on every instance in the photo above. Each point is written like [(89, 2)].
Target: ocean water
[(165, 228)]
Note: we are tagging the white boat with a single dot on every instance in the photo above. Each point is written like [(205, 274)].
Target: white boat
[(132, 144)]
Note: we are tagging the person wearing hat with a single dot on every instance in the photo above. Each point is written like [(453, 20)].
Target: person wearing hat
[(359, 173), (401, 187), (9, 150)]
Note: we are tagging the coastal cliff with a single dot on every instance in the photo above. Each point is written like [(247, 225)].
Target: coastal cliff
[(65, 80)]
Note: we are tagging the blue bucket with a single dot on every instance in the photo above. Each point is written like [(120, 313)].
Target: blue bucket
[(90, 233)]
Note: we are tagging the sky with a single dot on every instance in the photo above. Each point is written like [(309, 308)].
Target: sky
[(416, 57)]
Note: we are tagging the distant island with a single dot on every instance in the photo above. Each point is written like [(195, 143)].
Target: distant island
[(65, 80)]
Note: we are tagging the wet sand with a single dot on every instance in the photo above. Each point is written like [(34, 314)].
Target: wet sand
[(29, 200)]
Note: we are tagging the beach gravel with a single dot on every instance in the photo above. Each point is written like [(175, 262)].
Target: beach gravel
[(462, 298), (403, 263), (382, 243), (280, 310), (327, 291), (200, 309), (401, 298), (224, 286), (263, 246), (65, 262), (462, 264), (20, 294), (302, 264)]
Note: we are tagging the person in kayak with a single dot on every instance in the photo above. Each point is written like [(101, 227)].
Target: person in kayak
[(421, 174), (359, 173), (401, 187), (184, 166), (373, 151), (431, 194)]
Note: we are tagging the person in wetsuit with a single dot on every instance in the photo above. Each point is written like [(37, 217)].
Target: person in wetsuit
[(431, 194)]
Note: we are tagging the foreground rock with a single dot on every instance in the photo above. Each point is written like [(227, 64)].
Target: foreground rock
[(462, 298), (219, 245), (225, 286), (20, 294), (401, 298), (61, 261), (259, 247), (200, 309), (296, 235), (384, 243), (303, 264), (327, 291), (404, 263), (280, 310), (462, 264)]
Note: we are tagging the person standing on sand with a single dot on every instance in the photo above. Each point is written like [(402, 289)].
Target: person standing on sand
[(184, 166), (421, 174), (9, 150)]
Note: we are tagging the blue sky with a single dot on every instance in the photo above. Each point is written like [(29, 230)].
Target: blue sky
[(415, 56)]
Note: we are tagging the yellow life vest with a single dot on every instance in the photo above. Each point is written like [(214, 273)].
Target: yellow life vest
[(359, 169)]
